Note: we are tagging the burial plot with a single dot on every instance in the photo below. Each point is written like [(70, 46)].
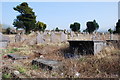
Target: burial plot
[(86, 47), (16, 56), (47, 64)]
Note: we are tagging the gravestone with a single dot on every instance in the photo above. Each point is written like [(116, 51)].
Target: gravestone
[(4, 40), (47, 64), (17, 38), (111, 36), (63, 37), (72, 34), (40, 38), (16, 56), (55, 37)]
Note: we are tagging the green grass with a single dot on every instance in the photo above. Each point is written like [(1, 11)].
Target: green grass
[(35, 67), (6, 75), (22, 70), (15, 49)]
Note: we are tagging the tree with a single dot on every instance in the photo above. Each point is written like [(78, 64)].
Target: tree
[(8, 30), (75, 27), (26, 19), (117, 28), (57, 29), (40, 26), (110, 31), (92, 26)]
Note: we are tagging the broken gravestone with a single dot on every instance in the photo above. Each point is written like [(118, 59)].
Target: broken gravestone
[(16, 56), (47, 64)]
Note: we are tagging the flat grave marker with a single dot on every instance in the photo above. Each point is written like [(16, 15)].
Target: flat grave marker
[(47, 64), (16, 56)]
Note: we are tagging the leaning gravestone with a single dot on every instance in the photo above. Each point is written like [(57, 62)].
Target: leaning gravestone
[(47, 64)]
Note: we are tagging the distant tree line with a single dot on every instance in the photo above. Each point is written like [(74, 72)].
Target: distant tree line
[(27, 21)]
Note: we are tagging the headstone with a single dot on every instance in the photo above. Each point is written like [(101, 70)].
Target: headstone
[(111, 36), (72, 34), (4, 40), (16, 56), (47, 64), (17, 38), (63, 37), (40, 38), (55, 37)]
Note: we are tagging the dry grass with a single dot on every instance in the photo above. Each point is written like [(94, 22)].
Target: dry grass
[(105, 64)]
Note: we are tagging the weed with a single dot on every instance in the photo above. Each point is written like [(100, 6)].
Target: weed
[(54, 74), (15, 49), (6, 75), (22, 70), (35, 67), (81, 59), (11, 52)]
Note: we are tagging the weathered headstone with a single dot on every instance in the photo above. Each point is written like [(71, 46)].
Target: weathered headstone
[(63, 37), (4, 40), (47, 64), (55, 37), (17, 38), (40, 38), (111, 36)]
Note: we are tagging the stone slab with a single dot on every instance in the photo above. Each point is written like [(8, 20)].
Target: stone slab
[(47, 64), (16, 56)]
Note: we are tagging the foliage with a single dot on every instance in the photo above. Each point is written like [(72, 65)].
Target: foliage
[(6, 75), (57, 29), (75, 26), (110, 31), (27, 19), (40, 26), (35, 67), (117, 28), (92, 26), (21, 69), (8, 30)]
